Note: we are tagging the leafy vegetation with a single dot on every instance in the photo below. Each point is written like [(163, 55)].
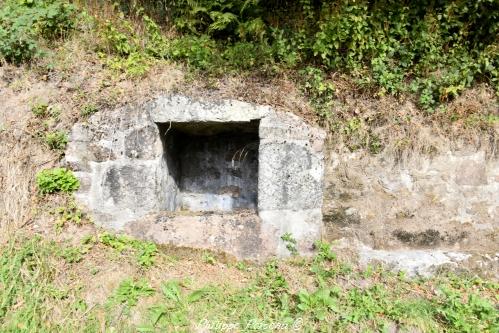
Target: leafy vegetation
[(129, 291), (435, 49), (431, 49), (40, 110), (74, 254), (25, 23), (56, 140), (69, 213), (56, 180), (88, 110), (343, 300), (45, 111), (290, 242), (145, 251), (173, 311)]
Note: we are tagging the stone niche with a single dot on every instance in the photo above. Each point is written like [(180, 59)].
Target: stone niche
[(226, 175), (214, 165)]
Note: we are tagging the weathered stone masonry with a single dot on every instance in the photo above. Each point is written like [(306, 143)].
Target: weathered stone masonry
[(228, 176)]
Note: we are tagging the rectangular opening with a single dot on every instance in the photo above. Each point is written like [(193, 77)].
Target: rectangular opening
[(214, 166)]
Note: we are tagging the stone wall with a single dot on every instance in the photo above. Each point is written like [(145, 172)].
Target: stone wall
[(417, 213), (446, 201), (145, 170), (118, 157)]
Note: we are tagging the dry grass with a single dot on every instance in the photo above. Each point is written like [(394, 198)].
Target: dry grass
[(21, 155), (73, 86), (403, 130), (16, 175), (280, 92)]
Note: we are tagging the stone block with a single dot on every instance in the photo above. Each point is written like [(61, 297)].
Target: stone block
[(290, 175), (220, 161), (472, 173)]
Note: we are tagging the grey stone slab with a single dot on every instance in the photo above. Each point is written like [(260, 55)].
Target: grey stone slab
[(290, 175), (176, 108)]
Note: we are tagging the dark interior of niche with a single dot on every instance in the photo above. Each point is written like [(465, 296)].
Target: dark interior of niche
[(215, 165)]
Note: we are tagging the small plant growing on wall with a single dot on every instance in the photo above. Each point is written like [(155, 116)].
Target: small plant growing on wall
[(56, 180), (56, 140), (290, 243)]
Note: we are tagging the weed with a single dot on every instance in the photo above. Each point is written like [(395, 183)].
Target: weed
[(240, 265), (273, 280), (133, 65), (208, 258), (374, 144), (199, 52), (72, 254), (324, 252), (290, 243), (56, 140), (89, 240), (129, 291), (318, 89), (145, 251), (117, 242), (174, 312), (245, 56), (365, 304), (120, 40), (70, 213), (40, 109), (318, 303), (123, 50), (287, 50), (88, 110), (48, 113), (322, 263), (475, 315), (56, 180)]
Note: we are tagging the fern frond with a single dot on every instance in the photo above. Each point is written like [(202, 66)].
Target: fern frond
[(192, 3), (255, 29), (247, 3), (199, 9), (221, 21)]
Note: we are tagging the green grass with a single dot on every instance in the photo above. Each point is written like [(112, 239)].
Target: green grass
[(145, 252), (33, 297)]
